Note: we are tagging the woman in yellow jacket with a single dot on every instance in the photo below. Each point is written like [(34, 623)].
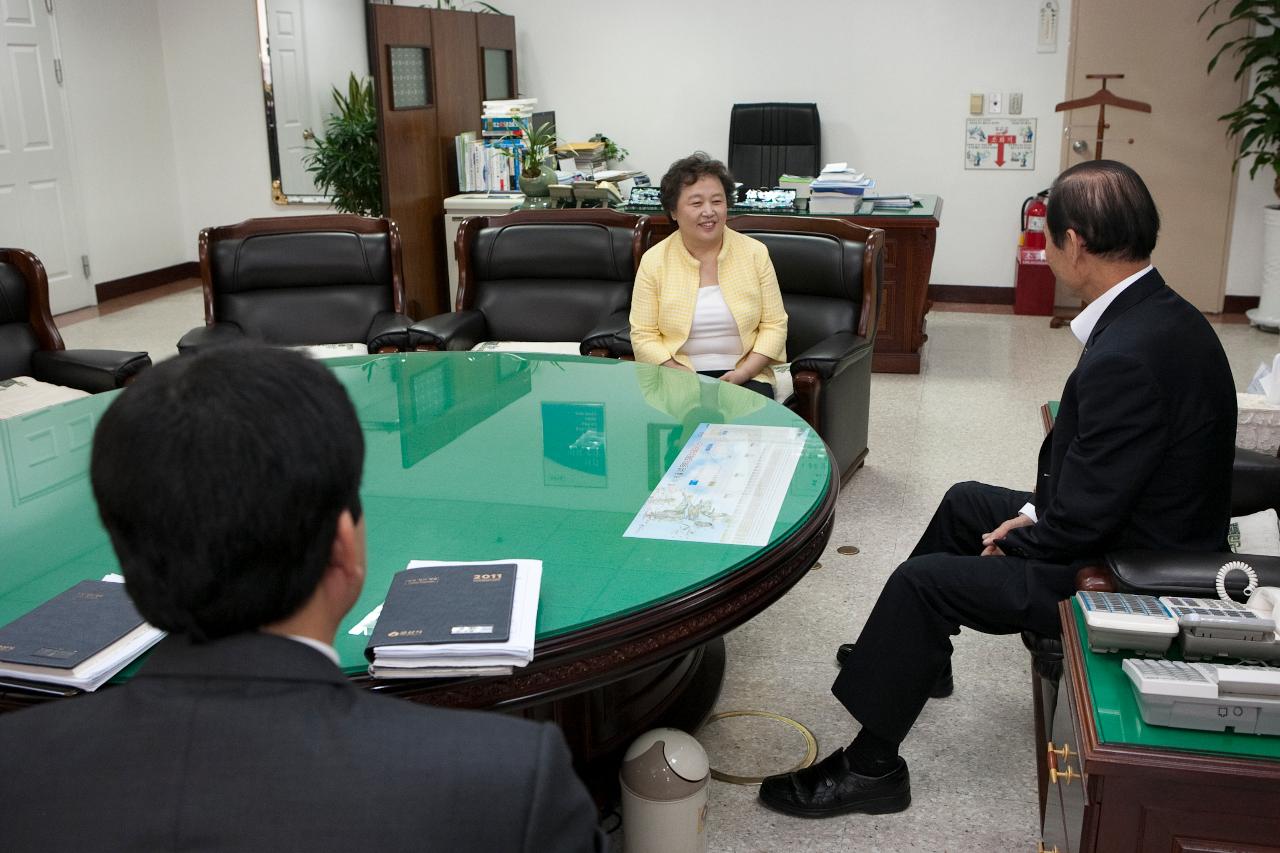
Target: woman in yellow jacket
[(706, 298)]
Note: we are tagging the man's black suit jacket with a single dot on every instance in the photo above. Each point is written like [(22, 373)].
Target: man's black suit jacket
[(1141, 451), (257, 742)]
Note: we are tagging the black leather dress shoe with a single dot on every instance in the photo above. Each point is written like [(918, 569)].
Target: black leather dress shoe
[(942, 688), (830, 788)]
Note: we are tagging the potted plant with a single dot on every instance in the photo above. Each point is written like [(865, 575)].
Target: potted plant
[(345, 160), (1256, 123), (613, 153), (535, 175)]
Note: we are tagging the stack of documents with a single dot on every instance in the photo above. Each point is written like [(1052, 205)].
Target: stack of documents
[(838, 189), (22, 394), (892, 202), (79, 638), (455, 619)]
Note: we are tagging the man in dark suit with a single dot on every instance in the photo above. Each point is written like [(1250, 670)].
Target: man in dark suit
[(228, 482), (1140, 457)]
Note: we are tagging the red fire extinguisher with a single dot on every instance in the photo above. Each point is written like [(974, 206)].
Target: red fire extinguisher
[(1033, 214)]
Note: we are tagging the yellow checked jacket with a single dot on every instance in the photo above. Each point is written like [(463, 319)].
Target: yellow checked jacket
[(666, 293)]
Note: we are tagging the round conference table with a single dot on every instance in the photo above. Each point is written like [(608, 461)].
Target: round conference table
[(486, 456)]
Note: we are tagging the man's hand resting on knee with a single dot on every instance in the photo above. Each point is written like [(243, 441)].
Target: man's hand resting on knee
[(989, 540)]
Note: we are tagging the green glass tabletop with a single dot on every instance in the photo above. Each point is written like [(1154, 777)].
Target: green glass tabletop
[(469, 456), (1118, 720)]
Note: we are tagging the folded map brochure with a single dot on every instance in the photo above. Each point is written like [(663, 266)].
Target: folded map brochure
[(79, 638), (452, 619), (727, 485)]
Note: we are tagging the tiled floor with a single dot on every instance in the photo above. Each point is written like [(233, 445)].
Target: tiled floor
[(972, 413)]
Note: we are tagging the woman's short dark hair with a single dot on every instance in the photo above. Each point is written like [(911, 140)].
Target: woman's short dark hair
[(220, 478), (689, 170), (1109, 206)]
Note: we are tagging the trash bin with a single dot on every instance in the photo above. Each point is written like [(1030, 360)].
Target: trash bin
[(1034, 284), (664, 794)]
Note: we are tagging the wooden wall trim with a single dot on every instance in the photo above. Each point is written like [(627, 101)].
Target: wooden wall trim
[(145, 281), (972, 294)]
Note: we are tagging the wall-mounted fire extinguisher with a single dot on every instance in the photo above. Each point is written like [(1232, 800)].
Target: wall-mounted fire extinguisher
[(1033, 214)]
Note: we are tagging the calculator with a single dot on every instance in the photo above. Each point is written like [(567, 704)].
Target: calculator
[(1212, 627), (1206, 696), (1121, 620)]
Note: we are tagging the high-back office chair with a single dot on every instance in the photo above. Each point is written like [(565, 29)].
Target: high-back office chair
[(552, 277), (830, 273), (773, 139), (30, 344), (300, 280)]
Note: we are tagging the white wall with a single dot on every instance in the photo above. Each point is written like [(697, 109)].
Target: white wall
[(124, 155), (891, 80)]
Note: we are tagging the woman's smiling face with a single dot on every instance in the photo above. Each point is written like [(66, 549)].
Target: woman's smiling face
[(701, 212)]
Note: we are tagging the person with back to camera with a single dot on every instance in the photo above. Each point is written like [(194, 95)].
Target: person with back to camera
[(706, 298), (1140, 456), (228, 483)]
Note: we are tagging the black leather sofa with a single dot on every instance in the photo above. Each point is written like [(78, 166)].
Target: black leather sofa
[(540, 275), (302, 280), (30, 344)]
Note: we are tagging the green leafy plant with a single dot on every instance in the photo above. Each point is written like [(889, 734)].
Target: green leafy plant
[(538, 144), (1256, 122), (612, 151), (345, 160)]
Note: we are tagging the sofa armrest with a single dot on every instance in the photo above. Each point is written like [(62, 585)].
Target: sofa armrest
[(832, 355), (91, 370), (389, 332), (457, 330), (611, 336), (1255, 482), (203, 337), (1185, 573)]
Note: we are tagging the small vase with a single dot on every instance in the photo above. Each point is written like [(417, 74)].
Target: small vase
[(537, 187)]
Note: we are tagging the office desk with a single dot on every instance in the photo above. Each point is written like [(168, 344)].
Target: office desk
[(1148, 788), (909, 238), (480, 456)]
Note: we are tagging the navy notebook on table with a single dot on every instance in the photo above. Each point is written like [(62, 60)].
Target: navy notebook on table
[(71, 627), (447, 604)]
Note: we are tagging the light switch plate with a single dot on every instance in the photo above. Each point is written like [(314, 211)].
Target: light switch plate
[(1015, 103), (975, 104), (995, 103)]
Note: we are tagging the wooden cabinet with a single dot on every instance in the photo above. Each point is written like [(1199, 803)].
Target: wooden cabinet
[(422, 105), (1107, 797)]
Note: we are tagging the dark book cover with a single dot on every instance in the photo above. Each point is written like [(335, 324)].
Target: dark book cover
[(71, 627), (447, 604)]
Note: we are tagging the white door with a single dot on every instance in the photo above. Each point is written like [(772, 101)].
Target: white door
[(38, 205), (291, 91)]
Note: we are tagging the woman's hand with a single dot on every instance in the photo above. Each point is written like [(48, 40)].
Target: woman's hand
[(737, 377), (671, 362)]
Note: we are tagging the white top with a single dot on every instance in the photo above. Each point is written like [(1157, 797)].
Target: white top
[(714, 342)]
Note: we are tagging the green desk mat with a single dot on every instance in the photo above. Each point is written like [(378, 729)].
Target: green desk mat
[(1118, 720)]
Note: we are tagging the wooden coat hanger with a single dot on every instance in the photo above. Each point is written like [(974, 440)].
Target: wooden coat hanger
[(1103, 99)]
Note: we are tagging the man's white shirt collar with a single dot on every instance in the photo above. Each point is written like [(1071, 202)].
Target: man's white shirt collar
[(323, 648), (1082, 325)]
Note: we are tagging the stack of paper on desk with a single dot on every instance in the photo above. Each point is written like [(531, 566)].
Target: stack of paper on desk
[(22, 394), (79, 638), (454, 619), (838, 189)]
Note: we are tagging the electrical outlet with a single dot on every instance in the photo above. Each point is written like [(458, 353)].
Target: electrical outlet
[(1015, 103), (975, 104), (995, 103)]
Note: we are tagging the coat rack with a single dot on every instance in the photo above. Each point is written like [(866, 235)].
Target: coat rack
[(1103, 99)]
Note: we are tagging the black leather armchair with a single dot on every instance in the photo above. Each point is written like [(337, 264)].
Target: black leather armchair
[(773, 139), (30, 344), (540, 275), (1255, 486), (300, 280), (830, 273)]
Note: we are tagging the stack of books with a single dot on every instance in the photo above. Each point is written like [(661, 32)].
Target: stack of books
[(455, 619), (79, 638), (893, 202), (838, 189), (588, 157)]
